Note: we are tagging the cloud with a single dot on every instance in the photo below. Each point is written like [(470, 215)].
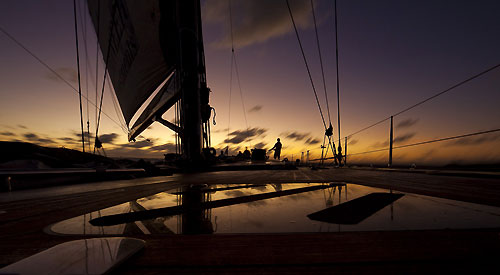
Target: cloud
[(403, 138), (298, 136), (167, 147), (140, 149), (45, 140), (85, 134), (68, 74), (312, 141), (239, 136), (9, 134), (22, 126), (476, 140), (397, 140), (31, 136), (137, 144), (406, 123), (108, 138), (260, 145), (255, 109), (222, 130), (352, 142), (4, 126), (256, 21)]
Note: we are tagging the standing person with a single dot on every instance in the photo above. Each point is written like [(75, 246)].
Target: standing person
[(339, 156), (246, 153), (277, 149)]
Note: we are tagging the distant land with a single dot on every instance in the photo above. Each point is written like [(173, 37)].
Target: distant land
[(29, 156)]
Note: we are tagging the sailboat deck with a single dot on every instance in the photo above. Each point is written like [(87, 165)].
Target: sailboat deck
[(25, 216)]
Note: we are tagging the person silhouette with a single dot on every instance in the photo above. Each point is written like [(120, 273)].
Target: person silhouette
[(277, 149), (339, 156), (247, 153)]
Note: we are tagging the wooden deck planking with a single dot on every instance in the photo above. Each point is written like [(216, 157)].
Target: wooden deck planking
[(479, 190), (21, 228)]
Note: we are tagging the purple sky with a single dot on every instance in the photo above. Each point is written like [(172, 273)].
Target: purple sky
[(392, 55)]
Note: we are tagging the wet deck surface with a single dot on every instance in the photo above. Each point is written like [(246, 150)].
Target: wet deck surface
[(21, 228)]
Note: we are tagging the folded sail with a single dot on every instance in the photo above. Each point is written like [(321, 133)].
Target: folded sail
[(161, 102), (142, 40)]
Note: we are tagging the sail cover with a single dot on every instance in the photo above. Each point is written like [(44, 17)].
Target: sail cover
[(142, 40)]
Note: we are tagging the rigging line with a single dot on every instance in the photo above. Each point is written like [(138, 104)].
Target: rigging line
[(97, 54), (105, 71), (305, 62), (175, 122), (231, 73), (231, 24), (449, 89), (430, 98), (51, 70), (431, 141), (368, 127), (229, 103), (79, 82), (236, 64), (123, 124), (83, 22), (337, 63), (241, 92), (321, 62), (233, 59), (323, 149), (38, 59)]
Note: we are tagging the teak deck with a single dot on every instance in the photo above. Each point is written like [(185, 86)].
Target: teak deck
[(21, 228)]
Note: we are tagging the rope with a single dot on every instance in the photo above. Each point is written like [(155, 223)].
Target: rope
[(337, 62), (229, 103), (51, 70), (97, 55), (305, 62), (430, 98), (116, 106), (105, 73), (368, 127), (83, 22), (79, 82), (175, 132), (323, 149), (241, 92), (430, 141), (231, 23), (321, 62), (449, 89), (232, 61)]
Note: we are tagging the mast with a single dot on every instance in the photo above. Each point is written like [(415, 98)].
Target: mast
[(192, 77), (157, 46)]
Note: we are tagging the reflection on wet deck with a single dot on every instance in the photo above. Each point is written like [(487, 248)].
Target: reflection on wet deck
[(273, 208), (89, 256)]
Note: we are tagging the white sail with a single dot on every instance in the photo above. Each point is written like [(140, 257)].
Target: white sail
[(161, 102), (142, 40)]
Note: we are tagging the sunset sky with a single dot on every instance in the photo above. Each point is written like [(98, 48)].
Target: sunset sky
[(392, 54)]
